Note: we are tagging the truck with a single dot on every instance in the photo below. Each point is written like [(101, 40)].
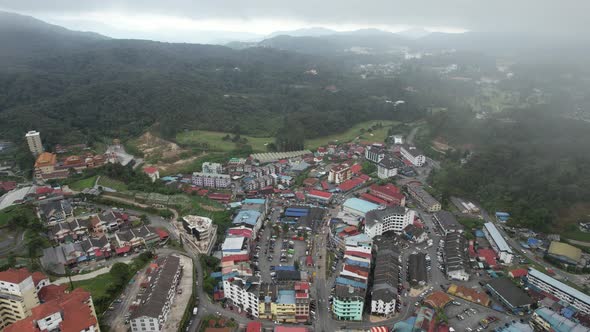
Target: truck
[(195, 310)]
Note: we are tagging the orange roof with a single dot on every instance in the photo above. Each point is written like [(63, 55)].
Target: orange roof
[(150, 170), (38, 277), (437, 299), (52, 292), (14, 276), (45, 159)]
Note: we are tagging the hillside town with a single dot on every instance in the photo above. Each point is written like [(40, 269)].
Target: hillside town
[(348, 237)]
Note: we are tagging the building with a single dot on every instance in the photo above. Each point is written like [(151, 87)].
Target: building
[(234, 245), (423, 198), (455, 257), (413, 155), (243, 293), (339, 174), (34, 142), (397, 139), (512, 297), (415, 234), (564, 253), (155, 303), (374, 154), (152, 172), (72, 311), (211, 180), (498, 243), (358, 207), (385, 295), (417, 272), (136, 237), (391, 194), (388, 167), (348, 303), (18, 296), (199, 227), (55, 211), (469, 294), (211, 168), (318, 195), (556, 289), (447, 222), (547, 320), (393, 219)]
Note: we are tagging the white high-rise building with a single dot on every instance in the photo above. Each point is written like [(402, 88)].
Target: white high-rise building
[(34, 142)]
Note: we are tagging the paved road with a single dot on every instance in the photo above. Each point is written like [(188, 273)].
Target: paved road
[(95, 273), (117, 320)]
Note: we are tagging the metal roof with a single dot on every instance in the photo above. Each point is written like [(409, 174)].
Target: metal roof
[(559, 285), (497, 237)]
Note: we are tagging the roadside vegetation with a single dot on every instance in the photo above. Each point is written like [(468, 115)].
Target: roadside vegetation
[(105, 288)]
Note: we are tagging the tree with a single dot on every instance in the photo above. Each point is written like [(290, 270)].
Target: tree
[(120, 273), (368, 167)]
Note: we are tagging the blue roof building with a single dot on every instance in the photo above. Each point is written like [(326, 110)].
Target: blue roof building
[(254, 201), (358, 206), (248, 217), (286, 297)]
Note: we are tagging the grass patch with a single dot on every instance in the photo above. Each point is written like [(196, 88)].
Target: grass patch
[(378, 135), (214, 140), (97, 286), (105, 181), (12, 211), (83, 184), (577, 235)]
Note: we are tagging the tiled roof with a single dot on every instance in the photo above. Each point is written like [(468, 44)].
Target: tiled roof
[(14, 276)]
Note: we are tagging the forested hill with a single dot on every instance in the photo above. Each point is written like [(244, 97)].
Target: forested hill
[(533, 164), (89, 87)]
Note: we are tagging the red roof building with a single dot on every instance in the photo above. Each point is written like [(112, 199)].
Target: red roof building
[(318, 194), (162, 234), (8, 185), (351, 184), (488, 255), (44, 190), (236, 258), (219, 197), (356, 168), (15, 276), (518, 273), (123, 250), (373, 199), (150, 170), (389, 193), (254, 327), (70, 312), (358, 254), (51, 292)]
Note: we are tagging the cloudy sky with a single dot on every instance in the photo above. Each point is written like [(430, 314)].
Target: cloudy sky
[(211, 20)]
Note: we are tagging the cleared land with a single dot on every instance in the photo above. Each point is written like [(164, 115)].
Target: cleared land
[(83, 184), (214, 140), (110, 183), (377, 135)]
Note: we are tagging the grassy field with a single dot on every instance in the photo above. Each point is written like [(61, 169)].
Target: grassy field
[(577, 235), (97, 286), (351, 134), (216, 143), (83, 184), (14, 210), (114, 184)]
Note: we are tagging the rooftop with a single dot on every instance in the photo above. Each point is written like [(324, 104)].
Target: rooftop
[(233, 243), (497, 237), (360, 205), (510, 292), (559, 285)]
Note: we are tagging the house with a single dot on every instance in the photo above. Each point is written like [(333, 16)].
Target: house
[(141, 236), (512, 297), (55, 211), (152, 172), (415, 234)]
